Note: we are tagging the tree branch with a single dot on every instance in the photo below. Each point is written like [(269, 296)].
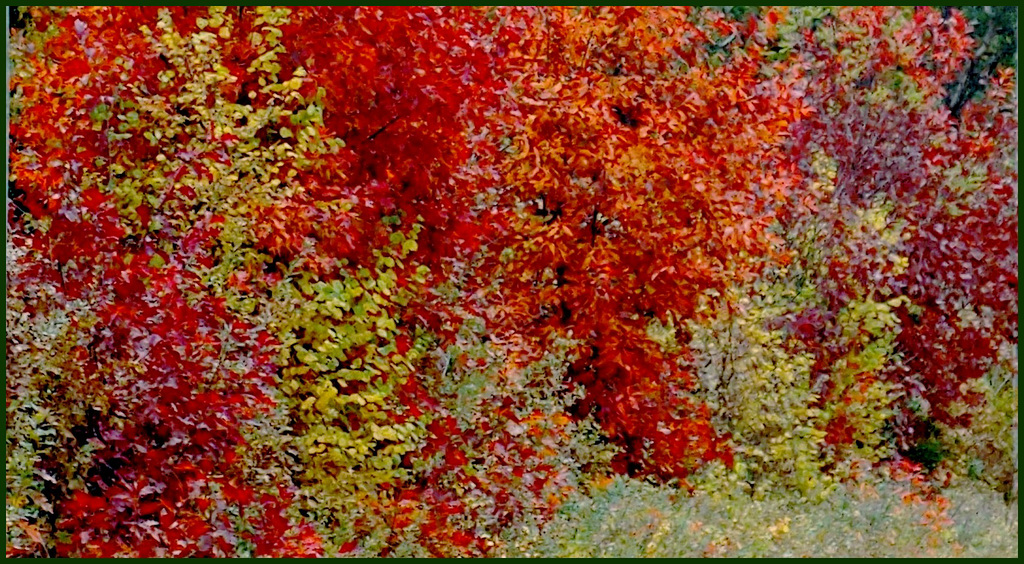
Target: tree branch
[(385, 126)]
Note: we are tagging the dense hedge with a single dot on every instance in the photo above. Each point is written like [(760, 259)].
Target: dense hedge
[(403, 281)]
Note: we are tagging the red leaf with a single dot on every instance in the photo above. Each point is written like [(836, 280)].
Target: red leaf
[(455, 457)]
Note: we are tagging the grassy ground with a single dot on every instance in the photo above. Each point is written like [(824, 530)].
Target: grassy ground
[(630, 518)]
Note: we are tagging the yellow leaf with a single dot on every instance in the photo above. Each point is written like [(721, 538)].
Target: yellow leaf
[(325, 399)]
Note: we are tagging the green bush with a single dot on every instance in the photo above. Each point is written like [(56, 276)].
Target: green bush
[(630, 518)]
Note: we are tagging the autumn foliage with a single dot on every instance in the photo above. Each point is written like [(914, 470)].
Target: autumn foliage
[(320, 281)]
